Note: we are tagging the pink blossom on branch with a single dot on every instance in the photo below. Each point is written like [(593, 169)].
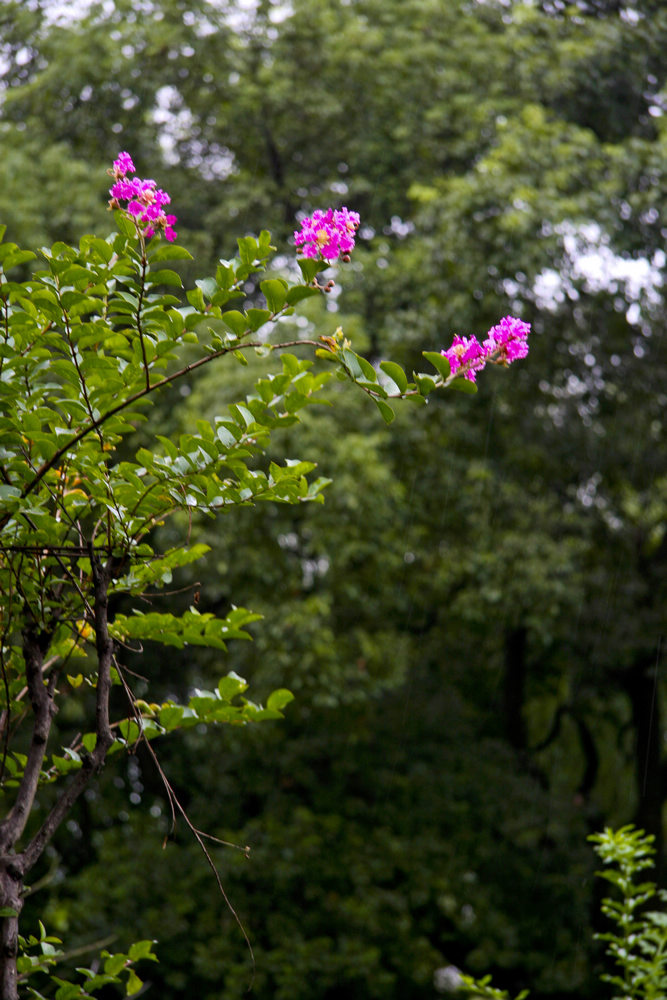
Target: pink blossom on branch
[(466, 353), (145, 200), (506, 342), (123, 165), (329, 234)]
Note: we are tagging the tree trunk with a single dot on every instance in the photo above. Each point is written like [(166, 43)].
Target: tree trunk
[(14, 866), (514, 687), (11, 885)]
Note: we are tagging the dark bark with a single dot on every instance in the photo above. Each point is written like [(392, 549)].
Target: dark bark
[(514, 688), (41, 700), (640, 683), (11, 885), (591, 758), (588, 748), (12, 868)]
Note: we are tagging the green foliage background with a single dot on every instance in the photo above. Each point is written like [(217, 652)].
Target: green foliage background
[(472, 622)]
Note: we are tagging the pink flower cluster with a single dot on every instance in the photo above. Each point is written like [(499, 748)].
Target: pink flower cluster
[(145, 200), (506, 342), (328, 234)]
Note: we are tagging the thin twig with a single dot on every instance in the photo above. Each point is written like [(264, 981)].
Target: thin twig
[(175, 806)]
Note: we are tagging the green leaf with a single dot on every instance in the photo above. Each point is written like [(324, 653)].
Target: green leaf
[(195, 297), (439, 362), (462, 384), (7, 911), (425, 383), (386, 410), (352, 363), (231, 685), (142, 949), (236, 322), (114, 964), (298, 293), (310, 268), (208, 286), (16, 258), (264, 243), (171, 716), (275, 293), (367, 368), (169, 251), (163, 276), (278, 699), (396, 373), (191, 628), (69, 991), (93, 982), (129, 730), (256, 318), (133, 984), (9, 492), (248, 249), (89, 741)]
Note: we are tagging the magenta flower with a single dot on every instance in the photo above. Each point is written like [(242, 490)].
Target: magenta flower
[(328, 234), (504, 343), (123, 165), (145, 200), (466, 353), (508, 340)]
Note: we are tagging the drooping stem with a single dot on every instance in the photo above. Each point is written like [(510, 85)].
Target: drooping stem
[(140, 331)]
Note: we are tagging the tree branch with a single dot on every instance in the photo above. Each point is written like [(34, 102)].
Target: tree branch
[(92, 762), (11, 884), (34, 646), (141, 394)]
